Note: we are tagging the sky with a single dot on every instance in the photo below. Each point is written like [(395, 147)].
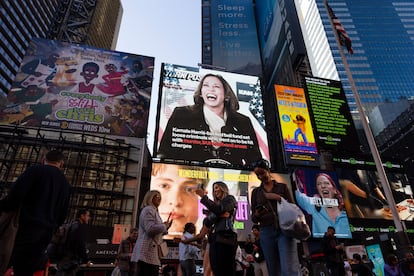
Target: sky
[(169, 30)]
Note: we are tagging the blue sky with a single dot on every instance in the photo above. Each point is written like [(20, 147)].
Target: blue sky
[(169, 30)]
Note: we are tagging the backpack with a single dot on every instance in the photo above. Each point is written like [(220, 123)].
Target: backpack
[(56, 248)]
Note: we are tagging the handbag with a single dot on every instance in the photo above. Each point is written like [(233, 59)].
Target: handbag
[(9, 224), (292, 221), (226, 237), (162, 249)]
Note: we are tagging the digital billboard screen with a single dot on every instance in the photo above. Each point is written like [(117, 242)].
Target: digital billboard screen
[(81, 88), (177, 184), (318, 193), (296, 126), (365, 197), (210, 117), (334, 127)]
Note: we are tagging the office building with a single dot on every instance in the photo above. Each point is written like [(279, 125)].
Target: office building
[(94, 23)]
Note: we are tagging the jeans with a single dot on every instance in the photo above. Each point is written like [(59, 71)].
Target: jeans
[(280, 252), (188, 267)]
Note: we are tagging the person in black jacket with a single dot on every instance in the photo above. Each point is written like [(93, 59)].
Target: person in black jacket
[(333, 253), (42, 194), (211, 130), (75, 251), (223, 239)]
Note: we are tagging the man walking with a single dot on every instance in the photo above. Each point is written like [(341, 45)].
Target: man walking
[(42, 194), (333, 253), (75, 249)]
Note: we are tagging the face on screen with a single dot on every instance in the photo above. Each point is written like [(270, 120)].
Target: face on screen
[(178, 196)]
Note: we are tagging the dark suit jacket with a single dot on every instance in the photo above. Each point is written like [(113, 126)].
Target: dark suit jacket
[(192, 124)]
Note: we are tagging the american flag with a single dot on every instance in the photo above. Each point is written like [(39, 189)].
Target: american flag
[(256, 105), (344, 38)]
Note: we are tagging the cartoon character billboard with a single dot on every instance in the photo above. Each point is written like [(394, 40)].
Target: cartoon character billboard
[(81, 88), (297, 130), (210, 117)]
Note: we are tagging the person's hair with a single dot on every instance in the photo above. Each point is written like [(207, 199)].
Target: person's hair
[(148, 198), (338, 194), (223, 187), (55, 156), (357, 257), (230, 100), (390, 258), (160, 168), (132, 230), (331, 228), (261, 163), (187, 226), (90, 64), (81, 212), (256, 226)]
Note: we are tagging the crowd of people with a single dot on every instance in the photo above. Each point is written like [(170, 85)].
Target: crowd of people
[(41, 197)]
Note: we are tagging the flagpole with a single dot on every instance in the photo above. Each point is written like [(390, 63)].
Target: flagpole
[(400, 227)]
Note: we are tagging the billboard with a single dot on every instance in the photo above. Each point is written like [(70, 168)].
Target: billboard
[(319, 195), (297, 129), (210, 117), (81, 88), (177, 184), (365, 197), (334, 127), (234, 36)]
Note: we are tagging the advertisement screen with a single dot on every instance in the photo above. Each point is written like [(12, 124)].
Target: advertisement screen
[(365, 197), (80, 88), (297, 130), (177, 184), (210, 117), (334, 127), (319, 195), (234, 36)]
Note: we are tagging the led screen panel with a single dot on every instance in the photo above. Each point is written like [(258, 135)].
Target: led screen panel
[(334, 127), (318, 193), (81, 88), (210, 117), (177, 184), (296, 126)]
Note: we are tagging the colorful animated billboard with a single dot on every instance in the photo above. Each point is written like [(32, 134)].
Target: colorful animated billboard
[(81, 88), (297, 130), (210, 117)]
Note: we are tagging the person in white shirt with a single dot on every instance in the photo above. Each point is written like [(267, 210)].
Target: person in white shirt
[(188, 253)]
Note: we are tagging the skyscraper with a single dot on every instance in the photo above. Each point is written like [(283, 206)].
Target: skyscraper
[(95, 23), (382, 39)]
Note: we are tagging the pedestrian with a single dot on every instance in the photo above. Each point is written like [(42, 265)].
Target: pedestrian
[(280, 251), (151, 230), (223, 239), (407, 264), (359, 268), (333, 252), (260, 266), (42, 195), (188, 253), (126, 246), (391, 267), (75, 247)]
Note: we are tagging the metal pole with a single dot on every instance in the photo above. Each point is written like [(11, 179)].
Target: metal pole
[(371, 141)]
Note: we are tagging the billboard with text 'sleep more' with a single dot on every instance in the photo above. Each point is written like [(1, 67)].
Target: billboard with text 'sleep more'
[(81, 88), (207, 117)]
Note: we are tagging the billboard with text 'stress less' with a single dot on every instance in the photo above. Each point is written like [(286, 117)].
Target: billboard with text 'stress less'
[(207, 117), (81, 88)]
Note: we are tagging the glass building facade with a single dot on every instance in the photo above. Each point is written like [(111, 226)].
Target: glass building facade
[(382, 34)]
